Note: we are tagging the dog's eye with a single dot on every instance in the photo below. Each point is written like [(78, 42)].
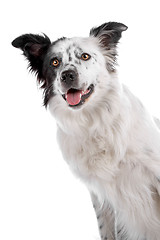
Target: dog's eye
[(85, 56), (55, 62)]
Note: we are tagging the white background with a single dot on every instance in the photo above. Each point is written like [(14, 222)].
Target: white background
[(40, 199)]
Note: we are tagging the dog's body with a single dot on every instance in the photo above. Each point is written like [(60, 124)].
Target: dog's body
[(105, 134)]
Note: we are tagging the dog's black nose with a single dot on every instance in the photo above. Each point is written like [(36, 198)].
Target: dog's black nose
[(68, 77)]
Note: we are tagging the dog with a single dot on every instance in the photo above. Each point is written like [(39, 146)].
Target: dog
[(105, 133)]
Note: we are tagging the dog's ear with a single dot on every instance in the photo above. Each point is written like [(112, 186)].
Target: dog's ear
[(34, 47), (108, 33)]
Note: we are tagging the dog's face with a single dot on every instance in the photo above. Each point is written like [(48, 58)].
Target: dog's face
[(73, 67), (72, 71)]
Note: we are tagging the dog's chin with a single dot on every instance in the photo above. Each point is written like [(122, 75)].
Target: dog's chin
[(76, 98)]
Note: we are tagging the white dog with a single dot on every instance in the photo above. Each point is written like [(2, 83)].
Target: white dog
[(106, 135)]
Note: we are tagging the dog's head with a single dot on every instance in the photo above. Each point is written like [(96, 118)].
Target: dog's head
[(73, 70)]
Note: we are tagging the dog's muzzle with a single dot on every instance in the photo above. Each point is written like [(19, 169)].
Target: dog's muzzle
[(74, 95)]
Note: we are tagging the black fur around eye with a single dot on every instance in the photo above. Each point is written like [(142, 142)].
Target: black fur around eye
[(85, 56), (55, 62)]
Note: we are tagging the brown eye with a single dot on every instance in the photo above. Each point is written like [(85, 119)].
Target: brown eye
[(55, 62), (85, 56)]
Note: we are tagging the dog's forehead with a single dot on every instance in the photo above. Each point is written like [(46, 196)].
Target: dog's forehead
[(70, 45)]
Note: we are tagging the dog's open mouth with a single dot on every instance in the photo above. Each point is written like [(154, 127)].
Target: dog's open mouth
[(76, 97)]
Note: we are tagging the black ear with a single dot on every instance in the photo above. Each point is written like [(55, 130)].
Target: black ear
[(34, 47), (108, 33)]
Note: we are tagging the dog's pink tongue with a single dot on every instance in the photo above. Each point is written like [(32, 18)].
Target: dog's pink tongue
[(73, 97)]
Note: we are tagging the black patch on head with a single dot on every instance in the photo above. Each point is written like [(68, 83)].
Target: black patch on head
[(34, 47)]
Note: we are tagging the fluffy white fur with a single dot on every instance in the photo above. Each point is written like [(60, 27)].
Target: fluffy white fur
[(111, 142), (113, 145)]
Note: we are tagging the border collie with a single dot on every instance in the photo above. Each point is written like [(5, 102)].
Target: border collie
[(105, 134)]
